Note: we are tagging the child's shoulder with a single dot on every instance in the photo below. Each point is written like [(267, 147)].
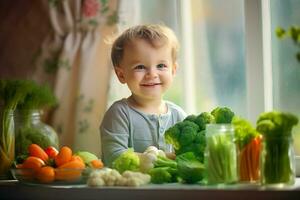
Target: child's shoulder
[(175, 109), (118, 106)]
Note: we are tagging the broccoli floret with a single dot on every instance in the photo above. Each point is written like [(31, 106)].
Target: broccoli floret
[(276, 123), (223, 115), (181, 134), (191, 118), (201, 120), (199, 145)]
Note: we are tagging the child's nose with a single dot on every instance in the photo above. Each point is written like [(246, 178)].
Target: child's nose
[(152, 73)]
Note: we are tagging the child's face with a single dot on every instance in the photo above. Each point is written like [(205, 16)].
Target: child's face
[(148, 71)]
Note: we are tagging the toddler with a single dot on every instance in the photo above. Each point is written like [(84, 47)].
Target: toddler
[(144, 58)]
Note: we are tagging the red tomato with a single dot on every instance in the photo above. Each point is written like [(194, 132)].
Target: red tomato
[(51, 151)]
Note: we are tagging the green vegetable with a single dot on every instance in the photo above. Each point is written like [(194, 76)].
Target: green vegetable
[(163, 175), (223, 115), (221, 158), (87, 157), (189, 135), (276, 128), (37, 97), (164, 162), (164, 171), (244, 132), (190, 169), (201, 120), (128, 160), (11, 93)]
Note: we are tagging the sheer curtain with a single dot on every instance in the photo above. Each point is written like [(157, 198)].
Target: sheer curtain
[(79, 56)]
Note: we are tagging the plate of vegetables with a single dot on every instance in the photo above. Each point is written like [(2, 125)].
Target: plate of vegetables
[(53, 167)]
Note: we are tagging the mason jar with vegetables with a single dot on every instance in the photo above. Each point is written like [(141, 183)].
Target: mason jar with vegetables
[(277, 155), (11, 93), (7, 142), (31, 130), (248, 142), (27, 117), (220, 154)]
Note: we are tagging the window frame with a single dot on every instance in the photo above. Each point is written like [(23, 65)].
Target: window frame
[(258, 57)]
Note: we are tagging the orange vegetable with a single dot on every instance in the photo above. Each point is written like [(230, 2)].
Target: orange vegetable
[(45, 174), (69, 171), (97, 164), (249, 160), (64, 156), (37, 151), (51, 151), (74, 164), (78, 158), (32, 162)]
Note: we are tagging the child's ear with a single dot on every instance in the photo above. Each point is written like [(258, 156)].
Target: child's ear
[(120, 74), (174, 68)]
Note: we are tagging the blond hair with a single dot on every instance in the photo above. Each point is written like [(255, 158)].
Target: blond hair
[(156, 35)]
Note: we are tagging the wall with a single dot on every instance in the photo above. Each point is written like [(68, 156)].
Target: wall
[(23, 27)]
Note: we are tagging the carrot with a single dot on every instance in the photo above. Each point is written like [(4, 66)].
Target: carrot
[(69, 171), (45, 174), (78, 158), (97, 164), (243, 165), (32, 162), (64, 156), (37, 151)]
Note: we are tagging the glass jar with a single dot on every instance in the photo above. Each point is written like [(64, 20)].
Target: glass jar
[(249, 160), (220, 154), (7, 142), (278, 161), (30, 129)]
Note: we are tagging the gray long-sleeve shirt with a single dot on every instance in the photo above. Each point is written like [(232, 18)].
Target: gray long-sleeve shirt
[(125, 127)]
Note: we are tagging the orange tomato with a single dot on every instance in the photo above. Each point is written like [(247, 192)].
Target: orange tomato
[(45, 174), (64, 156), (37, 151), (51, 151)]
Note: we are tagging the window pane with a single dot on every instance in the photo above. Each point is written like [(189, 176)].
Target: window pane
[(219, 54), (286, 68)]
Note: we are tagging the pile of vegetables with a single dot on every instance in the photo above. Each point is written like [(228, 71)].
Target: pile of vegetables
[(189, 140), (111, 177), (276, 128), (209, 157), (48, 165), (248, 142)]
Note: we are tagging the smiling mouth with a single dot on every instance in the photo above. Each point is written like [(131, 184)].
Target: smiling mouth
[(150, 84)]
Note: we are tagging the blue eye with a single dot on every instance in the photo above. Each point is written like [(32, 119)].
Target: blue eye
[(140, 67), (161, 66)]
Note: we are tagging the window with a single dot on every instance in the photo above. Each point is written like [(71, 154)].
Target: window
[(286, 68)]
